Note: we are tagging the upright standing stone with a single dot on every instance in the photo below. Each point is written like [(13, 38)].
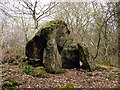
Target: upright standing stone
[(85, 58)]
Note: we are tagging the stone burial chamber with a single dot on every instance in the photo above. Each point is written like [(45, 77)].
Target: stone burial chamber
[(49, 46)]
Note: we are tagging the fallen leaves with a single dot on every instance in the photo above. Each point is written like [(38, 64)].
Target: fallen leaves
[(79, 78)]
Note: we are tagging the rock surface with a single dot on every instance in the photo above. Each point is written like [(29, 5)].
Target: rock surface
[(70, 57), (38, 72), (47, 44), (55, 51), (85, 58)]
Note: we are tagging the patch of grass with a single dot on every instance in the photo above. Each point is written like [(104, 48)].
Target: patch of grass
[(54, 84), (33, 74), (11, 85), (26, 69), (4, 71), (69, 85), (8, 79), (102, 68), (63, 87), (18, 71), (9, 63), (61, 72), (7, 85), (9, 70), (112, 76), (118, 86), (1, 66), (107, 62)]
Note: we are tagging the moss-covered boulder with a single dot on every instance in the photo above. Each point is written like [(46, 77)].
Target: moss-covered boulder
[(47, 44), (38, 72), (51, 48)]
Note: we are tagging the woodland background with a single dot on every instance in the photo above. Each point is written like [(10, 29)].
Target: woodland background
[(95, 24)]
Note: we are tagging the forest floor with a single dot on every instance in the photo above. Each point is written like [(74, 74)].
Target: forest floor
[(106, 77)]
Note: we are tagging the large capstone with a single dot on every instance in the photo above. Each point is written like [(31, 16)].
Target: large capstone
[(47, 44)]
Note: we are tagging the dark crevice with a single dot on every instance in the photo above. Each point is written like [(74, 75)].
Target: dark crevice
[(59, 48)]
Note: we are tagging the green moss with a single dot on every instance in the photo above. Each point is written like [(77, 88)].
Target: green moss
[(49, 26), (40, 69), (15, 62), (61, 72), (70, 85), (102, 68), (43, 82), (54, 84), (9, 70), (63, 87), (8, 79), (112, 76), (118, 86), (20, 60), (79, 44), (18, 71), (38, 72), (46, 27), (26, 69), (106, 62), (4, 71), (1, 66), (50, 23), (12, 83), (6, 85)]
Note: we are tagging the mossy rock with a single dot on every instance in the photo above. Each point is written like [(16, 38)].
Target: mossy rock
[(43, 35), (38, 72), (47, 44)]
